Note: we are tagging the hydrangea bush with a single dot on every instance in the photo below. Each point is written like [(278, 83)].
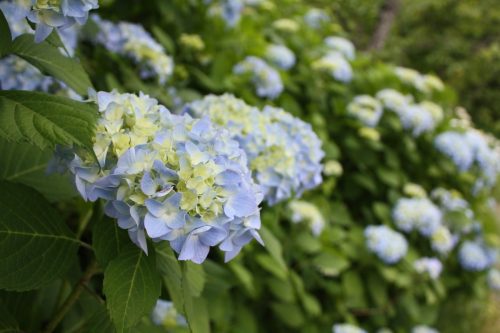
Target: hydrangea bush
[(370, 194)]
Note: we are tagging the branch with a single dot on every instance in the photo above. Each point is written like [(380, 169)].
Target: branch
[(72, 298), (388, 13)]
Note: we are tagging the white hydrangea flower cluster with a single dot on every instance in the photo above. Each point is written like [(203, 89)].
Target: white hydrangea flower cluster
[(303, 211), (417, 213), (165, 314), (430, 266), (425, 83), (133, 41), (494, 279), (476, 256), (58, 14), (347, 328), (471, 148), (419, 118), (284, 153), (442, 240), (366, 109), (280, 56), (169, 177), (266, 79), (286, 25), (389, 245), (423, 329), (452, 201)]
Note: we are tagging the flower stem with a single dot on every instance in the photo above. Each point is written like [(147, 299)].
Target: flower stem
[(72, 298)]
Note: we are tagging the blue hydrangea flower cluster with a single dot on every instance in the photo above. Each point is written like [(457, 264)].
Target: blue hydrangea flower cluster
[(283, 152), (419, 118), (341, 45), (417, 214), (229, 10), (475, 256), (430, 266), (58, 14), (315, 18), (471, 148), (335, 64), (266, 79), (494, 279), (389, 245), (169, 177), (133, 41), (166, 315), (423, 329), (280, 56), (366, 109), (303, 211), (347, 328)]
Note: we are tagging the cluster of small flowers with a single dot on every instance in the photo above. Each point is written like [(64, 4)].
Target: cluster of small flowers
[(423, 329), (471, 148), (442, 240), (229, 10), (315, 18), (283, 152), (452, 201), (431, 266), (165, 314), (171, 177), (303, 211), (366, 109), (419, 118), (417, 213), (286, 25), (390, 246), (476, 256), (494, 279), (266, 79), (280, 56), (131, 40), (16, 73), (336, 61), (59, 14), (424, 83), (347, 328)]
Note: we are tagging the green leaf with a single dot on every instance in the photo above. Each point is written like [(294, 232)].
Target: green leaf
[(5, 36), (108, 240), (26, 164), (170, 270), (49, 60), (44, 120), (132, 286), (331, 263), (195, 278), (8, 323), (195, 308), (36, 246), (273, 246)]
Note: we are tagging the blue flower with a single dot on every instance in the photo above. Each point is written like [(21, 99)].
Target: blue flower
[(454, 145), (303, 211), (283, 152), (164, 314), (169, 177), (431, 266), (475, 256), (417, 213), (315, 18), (280, 56), (390, 246), (423, 329), (494, 279), (335, 64), (266, 79), (341, 45), (133, 41), (347, 328), (15, 13), (59, 14)]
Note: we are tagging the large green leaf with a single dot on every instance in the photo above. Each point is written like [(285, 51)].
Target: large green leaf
[(171, 272), (5, 36), (132, 286), (8, 323), (44, 120), (49, 60), (108, 240), (26, 164), (195, 307), (36, 245)]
